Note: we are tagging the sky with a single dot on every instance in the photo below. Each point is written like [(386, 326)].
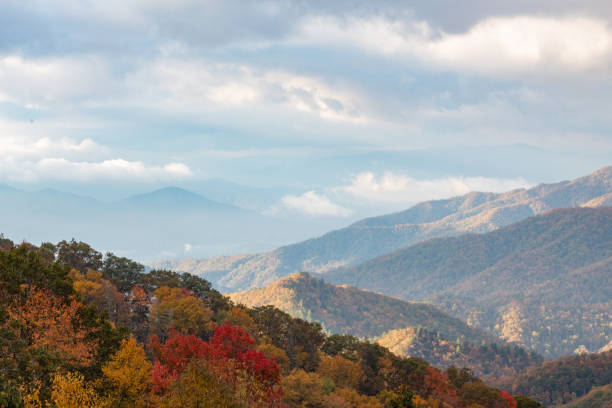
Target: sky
[(325, 109)]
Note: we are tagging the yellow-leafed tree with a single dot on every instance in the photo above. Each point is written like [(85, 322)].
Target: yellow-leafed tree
[(71, 391), (343, 372), (127, 376)]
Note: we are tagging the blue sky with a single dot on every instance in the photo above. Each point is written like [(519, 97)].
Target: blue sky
[(344, 108)]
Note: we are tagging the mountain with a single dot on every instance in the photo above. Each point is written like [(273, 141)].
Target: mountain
[(366, 239), (543, 282), (175, 199), (165, 222), (424, 331)]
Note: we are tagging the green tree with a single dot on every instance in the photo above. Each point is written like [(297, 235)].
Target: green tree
[(79, 255), (123, 272)]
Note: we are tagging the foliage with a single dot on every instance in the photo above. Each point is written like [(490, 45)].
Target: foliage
[(79, 255), (59, 347), (229, 355), (298, 338), (182, 310), (123, 272), (127, 376), (71, 391), (560, 381), (343, 372)]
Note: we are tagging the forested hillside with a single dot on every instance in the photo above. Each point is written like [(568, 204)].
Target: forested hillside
[(82, 329), (474, 212), (561, 381), (406, 328), (543, 282)]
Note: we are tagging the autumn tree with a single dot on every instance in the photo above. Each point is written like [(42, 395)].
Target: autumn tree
[(72, 391), (343, 372), (229, 356), (180, 309), (48, 322), (94, 289), (127, 376)]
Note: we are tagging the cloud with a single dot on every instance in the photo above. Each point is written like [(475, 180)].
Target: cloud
[(115, 169), (311, 203), (24, 147), (398, 188), (198, 85), (494, 46), (46, 81), (28, 159)]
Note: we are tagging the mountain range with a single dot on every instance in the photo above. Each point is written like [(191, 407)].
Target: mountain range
[(543, 282), (406, 328), (372, 237), (167, 222)]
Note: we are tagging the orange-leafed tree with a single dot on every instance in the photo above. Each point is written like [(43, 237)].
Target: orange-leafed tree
[(49, 322)]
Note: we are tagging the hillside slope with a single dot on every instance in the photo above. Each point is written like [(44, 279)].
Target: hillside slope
[(366, 239), (544, 282), (406, 328), (561, 381)]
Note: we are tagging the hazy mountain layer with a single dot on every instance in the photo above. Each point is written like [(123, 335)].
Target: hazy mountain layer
[(168, 222), (544, 282), (474, 212), (406, 328)]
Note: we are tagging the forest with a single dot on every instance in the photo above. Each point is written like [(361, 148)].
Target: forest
[(83, 329)]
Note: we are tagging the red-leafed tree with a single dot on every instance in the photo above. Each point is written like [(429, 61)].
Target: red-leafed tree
[(511, 402), (229, 357)]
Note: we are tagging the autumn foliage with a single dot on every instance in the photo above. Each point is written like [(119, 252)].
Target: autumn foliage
[(65, 342), (228, 355)]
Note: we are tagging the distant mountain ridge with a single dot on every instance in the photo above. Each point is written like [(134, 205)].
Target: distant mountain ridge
[(406, 328), (371, 237), (544, 282), (177, 199)]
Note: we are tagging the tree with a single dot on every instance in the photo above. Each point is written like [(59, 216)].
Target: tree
[(402, 397), (523, 401), (79, 255), (94, 289), (127, 376), (303, 389), (344, 373), (300, 339), (71, 391), (248, 375), (48, 322), (199, 387), (180, 309), (123, 272)]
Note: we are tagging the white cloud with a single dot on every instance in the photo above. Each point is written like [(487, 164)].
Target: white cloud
[(313, 204), (36, 83), (198, 85), (24, 147), (28, 159), (397, 188), (494, 46), (115, 169)]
